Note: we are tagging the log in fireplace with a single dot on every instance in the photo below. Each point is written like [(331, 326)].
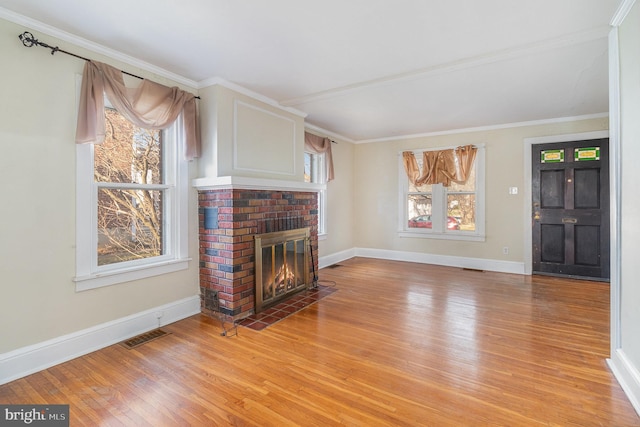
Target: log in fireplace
[(282, 260)]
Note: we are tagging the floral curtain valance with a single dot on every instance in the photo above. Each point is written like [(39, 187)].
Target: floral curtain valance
[(440, 167), (150, 106), (318, 145)]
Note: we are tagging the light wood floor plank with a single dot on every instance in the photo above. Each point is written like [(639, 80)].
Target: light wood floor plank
[(399, 344)]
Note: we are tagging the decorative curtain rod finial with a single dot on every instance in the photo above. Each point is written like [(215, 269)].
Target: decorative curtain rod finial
[(28, 40)]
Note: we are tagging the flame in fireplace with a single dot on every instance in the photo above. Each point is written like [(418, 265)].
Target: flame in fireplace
[(285, 280)]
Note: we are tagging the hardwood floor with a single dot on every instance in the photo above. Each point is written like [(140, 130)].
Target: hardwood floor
[(399, 344)]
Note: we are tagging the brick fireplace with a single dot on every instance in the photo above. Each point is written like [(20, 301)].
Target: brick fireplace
[(230, 217)]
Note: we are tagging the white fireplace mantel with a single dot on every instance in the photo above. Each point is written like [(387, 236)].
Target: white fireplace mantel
[(247, 183)]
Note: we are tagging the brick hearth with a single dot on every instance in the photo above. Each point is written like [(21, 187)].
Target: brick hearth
[(228, 221)]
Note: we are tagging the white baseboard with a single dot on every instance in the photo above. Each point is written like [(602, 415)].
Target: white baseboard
[(335, 258), (627, 375), (28, 360), (450, 261)]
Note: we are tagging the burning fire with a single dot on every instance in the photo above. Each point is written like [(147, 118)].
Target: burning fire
[(285, 279)]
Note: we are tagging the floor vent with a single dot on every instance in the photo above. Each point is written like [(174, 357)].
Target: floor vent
[(138, 340), (334, 266)]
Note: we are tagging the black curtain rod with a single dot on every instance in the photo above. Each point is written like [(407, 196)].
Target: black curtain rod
[(28, 40)]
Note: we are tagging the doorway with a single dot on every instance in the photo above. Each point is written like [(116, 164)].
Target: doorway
[(570, 208)]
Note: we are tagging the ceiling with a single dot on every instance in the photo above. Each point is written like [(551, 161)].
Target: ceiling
[(363, 69)]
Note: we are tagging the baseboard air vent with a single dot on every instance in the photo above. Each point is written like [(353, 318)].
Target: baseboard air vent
[(138, 340)]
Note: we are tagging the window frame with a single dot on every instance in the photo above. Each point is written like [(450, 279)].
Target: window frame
[(439, 203), (318, 175), (176, 192)]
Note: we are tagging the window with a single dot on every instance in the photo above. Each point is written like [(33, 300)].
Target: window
[(435, 211), (128, 173), (315, 171), (131, 204)]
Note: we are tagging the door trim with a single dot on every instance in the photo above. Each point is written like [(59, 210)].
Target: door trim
[(528, 143)]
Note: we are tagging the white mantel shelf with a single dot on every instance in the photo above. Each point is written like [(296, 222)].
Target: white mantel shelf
[(246, 183)]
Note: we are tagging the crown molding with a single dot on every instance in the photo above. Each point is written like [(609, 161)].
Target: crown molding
[(213, 81), (327, 133), (34, 25), (621, 13)]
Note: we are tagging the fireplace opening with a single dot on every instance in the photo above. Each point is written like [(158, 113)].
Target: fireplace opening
[(282, 266)]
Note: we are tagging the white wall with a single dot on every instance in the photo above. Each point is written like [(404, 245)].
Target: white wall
[(245, 137), (630, 135), (38, 301), (625, 360), (341, 212)]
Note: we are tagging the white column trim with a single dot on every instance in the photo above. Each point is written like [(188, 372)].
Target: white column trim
[(615, 189)]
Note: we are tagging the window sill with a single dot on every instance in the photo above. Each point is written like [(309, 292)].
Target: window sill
[(107, 278), (442, 236), (322, 236)]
